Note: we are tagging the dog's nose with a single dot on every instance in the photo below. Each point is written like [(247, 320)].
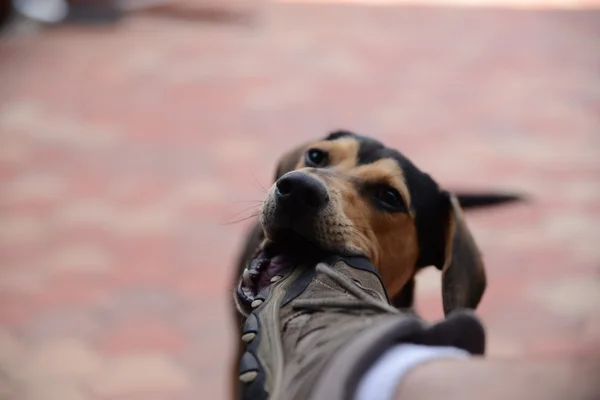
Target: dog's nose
[(301, 191)]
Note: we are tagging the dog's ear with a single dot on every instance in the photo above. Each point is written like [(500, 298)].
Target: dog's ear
[(451, 248), (289, 161), (463, 273)]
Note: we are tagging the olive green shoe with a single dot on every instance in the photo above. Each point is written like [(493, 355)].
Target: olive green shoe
[(313, 331)]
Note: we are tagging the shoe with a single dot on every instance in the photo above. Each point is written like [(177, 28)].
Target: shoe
[(313, 331)]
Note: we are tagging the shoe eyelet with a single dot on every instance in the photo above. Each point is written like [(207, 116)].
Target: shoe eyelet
[(256, 303), (248, 337), (249, 376)]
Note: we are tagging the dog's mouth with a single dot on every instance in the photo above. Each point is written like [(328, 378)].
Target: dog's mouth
[(276, 259), (261, 272)]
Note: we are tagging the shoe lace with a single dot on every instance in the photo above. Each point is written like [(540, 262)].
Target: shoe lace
[(361, 300)]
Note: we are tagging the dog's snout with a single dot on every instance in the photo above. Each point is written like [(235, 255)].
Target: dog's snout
[(301, 191)]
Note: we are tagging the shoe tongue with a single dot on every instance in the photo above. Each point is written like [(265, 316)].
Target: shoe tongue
[(353, 261), (356, 262), (370, 281)]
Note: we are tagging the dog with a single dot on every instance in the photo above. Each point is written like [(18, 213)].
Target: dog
[(350, 195)]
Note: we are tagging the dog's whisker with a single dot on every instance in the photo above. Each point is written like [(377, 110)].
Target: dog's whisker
[(356, 229), (241, 220), (247, 201), (360, 235), (354, 226), (258, 183), (358, 218), (255, 208)]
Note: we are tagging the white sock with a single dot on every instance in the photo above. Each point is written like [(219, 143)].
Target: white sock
[(381, 381), (43, 10)]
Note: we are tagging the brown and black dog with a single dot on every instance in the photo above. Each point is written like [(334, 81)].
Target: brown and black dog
[(351, 195)]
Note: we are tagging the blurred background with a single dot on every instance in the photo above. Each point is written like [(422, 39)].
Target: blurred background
[(132, 133)]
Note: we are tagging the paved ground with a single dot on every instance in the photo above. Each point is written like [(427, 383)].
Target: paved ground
[(123, 151)]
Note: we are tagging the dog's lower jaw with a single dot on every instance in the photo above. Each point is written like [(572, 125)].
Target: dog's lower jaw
[(259, 273), (241, 308), (280, 251)]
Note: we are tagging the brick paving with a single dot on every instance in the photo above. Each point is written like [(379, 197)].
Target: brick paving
[(123, 151)]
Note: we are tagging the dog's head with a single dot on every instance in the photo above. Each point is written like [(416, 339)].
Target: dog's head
[(352, 195)]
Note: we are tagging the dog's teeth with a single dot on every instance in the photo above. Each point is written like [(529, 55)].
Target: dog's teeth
[(254, 275), (276, 278), (258, 264), (246, 278)]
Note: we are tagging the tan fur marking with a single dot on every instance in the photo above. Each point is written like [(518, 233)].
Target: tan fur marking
[(343, 153), (388, 239), (398, 247), (385, 170)]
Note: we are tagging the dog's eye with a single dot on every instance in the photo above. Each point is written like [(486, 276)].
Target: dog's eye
[(316, 158), (389, 198)]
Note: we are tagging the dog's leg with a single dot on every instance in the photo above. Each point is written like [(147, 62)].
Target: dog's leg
[(405, 298)]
